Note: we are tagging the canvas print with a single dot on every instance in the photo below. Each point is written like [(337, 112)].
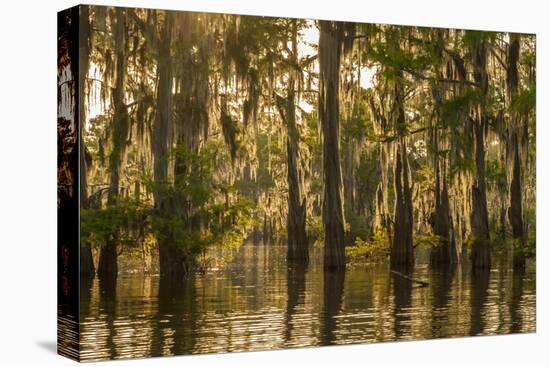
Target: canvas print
[(234, 183)]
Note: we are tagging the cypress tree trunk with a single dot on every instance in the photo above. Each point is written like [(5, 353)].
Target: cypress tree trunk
[(107, 265), (172, 260), (480, 255), (296, 219), (513, 147), (333, 215), (516, 210), (382, 217), (460, 183), (297, 250), (402, 250), (440, 217), (446, 252)]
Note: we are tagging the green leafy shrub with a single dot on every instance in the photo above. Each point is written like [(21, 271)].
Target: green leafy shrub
[(378, 248), (123, 223), (200, 219), (428, 240)]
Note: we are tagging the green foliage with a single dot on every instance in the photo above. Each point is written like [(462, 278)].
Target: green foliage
[(231, 132), (428, 240), (228, 223), (531, 235), (525, 101), (314, 226), (173, 230), (265, 149), (503, 246), (472, 239), (190, 217), (120, 223), (311, 138), (495, 171), (359, 125), (462, 164), (95, 137), (396, 59), (473, 38), (224, 226), (424, 178), (357, 225), (377, 248), (528, 248), (454, 108), (193, 175)]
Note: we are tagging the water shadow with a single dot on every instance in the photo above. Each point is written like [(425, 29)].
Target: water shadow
[(480, 285), (333, 290), (402, 295), (296, 286), (441, 285), (176, 317), (515, 303)]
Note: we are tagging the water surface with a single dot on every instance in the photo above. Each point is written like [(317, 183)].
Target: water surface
[(257, 303)]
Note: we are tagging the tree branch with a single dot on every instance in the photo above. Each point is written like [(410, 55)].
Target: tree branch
[(441, 80), (390, 138)]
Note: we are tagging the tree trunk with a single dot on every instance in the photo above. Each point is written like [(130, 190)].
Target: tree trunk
[(516, 211), (297, 250), (402, 250), (445, 253), (513, 148), (481, 254), (296, 220), (107, 265), (173, 262), (333, 215), (382, 218)]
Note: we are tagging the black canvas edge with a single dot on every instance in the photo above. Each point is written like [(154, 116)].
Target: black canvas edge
[(68, 217)]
